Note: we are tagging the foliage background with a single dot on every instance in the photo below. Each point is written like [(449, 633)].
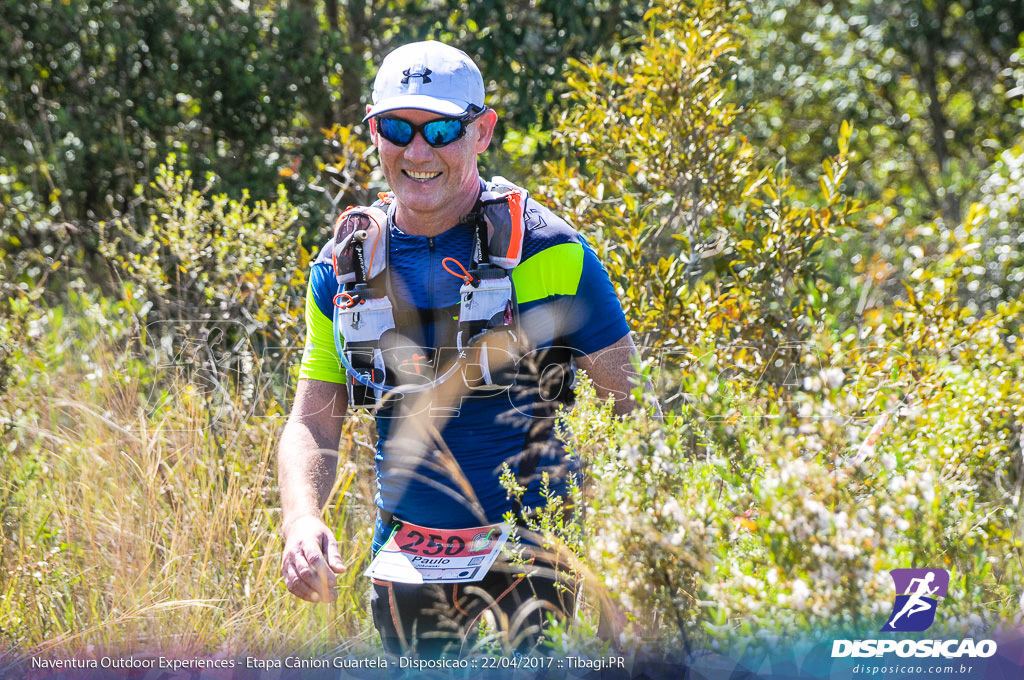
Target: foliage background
[(811, 211)]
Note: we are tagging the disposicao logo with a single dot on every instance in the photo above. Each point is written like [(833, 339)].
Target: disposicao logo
[(917, 597), (917, 593)]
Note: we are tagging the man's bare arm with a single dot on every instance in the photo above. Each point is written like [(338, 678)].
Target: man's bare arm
[(613, 374), (307, 464)]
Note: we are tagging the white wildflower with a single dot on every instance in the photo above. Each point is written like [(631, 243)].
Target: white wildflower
[(833, 377), (800, 594), (829, 575), (842, 520)]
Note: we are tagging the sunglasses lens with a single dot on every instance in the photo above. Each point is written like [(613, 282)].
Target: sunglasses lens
[(441, 132), (395, 131)]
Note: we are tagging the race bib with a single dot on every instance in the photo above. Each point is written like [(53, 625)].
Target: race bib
[(415, 554)]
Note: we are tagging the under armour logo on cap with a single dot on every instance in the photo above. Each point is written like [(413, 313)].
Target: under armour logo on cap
[(425, 74), (428, 76)]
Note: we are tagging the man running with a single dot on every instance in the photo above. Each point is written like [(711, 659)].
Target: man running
[(457, 309)]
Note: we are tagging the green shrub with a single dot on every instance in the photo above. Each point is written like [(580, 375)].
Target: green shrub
[(806, 452), (220, 282), (795, 532)]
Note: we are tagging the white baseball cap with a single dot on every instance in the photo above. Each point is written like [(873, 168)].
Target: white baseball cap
[(429, 76)]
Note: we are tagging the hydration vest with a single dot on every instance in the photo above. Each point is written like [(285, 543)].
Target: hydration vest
[(380, 362)]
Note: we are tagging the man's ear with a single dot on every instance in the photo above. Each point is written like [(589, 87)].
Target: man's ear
[(485, 129), (373, 127)]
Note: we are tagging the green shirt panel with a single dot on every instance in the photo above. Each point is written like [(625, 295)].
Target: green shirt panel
[(553, 271), (319, 356)]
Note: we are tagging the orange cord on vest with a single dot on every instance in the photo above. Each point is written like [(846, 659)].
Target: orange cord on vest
[(350, 300), (465, 275)]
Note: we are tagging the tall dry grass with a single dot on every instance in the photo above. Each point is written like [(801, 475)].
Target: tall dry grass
[(139, 505)]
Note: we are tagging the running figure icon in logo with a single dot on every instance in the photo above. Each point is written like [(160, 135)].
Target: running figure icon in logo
[(917, 596)]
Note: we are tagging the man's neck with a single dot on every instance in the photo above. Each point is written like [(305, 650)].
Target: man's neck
[(436, 222)]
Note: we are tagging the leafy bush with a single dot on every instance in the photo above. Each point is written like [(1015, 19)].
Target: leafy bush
[(690, 228), (790, 525), (139, 438), (997, 271), (218, 280), (806, 452)]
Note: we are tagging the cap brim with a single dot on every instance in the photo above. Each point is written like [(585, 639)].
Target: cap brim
[(443, 107)]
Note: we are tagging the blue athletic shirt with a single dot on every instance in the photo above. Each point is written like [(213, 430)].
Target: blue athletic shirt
[(565, 299)]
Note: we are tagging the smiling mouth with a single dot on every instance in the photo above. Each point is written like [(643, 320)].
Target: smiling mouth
[(421, 176)]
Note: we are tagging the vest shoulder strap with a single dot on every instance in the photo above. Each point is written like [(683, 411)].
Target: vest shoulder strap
[(360, 244), (501, 211)]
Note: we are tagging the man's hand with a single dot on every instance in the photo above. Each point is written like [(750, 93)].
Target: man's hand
[(311, 559)]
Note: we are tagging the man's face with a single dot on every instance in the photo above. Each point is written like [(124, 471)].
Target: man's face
[(437, 185)]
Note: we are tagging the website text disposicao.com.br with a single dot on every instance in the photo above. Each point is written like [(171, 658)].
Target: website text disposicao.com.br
[(958, 657), (899, 669)]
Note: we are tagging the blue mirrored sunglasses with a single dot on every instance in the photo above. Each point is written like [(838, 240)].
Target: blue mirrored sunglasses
[(437, 133)]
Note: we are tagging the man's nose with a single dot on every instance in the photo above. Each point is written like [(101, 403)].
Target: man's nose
[(418, 150)]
